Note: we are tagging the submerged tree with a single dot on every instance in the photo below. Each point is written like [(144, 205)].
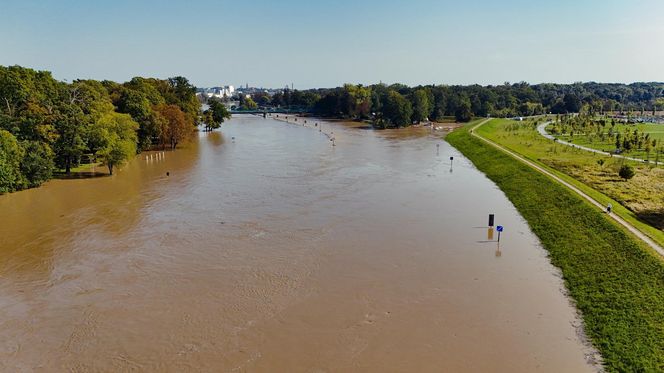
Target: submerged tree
[(215, 115), (115, 138), (175, 128)]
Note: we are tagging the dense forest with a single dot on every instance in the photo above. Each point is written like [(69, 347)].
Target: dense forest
[(398, 105), (48, 126)]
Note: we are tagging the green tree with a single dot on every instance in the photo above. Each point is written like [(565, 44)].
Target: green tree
[(92, 97), (11, 155), (137, 104), (572, 103), (37, 164), (397, 110), (421, 105), (71, 137), (150, 88), (355, 101), (440, 95), (183, 94), (114, 136), (208, 120), (659, 104), (218, 114), (246, 103), (463, 112), (28, 103), (261, 98)]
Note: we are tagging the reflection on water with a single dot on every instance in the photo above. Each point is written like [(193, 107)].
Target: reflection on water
[(278, 252), (215, 138)]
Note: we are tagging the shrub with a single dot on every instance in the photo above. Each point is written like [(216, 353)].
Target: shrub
[(626, 172)]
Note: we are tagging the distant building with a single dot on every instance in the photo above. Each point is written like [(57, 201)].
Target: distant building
[(219, 92), (231, 92)]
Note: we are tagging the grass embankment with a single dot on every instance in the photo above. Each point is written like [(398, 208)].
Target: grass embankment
[(616, 282), (640, 201)]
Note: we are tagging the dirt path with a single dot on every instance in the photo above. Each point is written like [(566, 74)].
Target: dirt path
[(542, 170)]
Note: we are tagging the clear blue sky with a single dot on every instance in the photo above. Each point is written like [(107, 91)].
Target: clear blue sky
[(327, 43)]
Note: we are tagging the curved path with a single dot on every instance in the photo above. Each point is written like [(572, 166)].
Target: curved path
[(542, 130), (578, 191)]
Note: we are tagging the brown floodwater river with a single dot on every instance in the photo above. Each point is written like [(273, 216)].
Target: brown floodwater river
[(269, 250)]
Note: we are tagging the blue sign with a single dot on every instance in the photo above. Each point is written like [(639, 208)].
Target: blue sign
[(499, 228)]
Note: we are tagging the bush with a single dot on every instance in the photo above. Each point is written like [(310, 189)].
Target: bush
[(626, 172)]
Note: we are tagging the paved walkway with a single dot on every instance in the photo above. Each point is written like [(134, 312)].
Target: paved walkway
[(544, 171), (542, 130)]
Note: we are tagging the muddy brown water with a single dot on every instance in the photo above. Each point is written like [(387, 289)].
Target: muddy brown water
[(276, 252)]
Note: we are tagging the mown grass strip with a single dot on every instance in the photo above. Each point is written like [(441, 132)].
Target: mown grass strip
[(616, 282)]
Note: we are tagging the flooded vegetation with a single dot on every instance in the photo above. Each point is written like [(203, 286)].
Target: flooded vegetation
[(264, 248)]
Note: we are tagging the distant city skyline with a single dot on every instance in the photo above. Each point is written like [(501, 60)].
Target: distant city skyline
[(326, 44)]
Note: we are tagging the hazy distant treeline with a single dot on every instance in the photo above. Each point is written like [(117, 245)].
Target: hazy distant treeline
[(48, 125), (400, 105)]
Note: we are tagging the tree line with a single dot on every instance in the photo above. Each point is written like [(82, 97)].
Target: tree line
[(49, 126), (399, 105)]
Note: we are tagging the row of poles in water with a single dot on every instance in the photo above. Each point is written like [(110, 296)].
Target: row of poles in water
[(490, 233), (155, 156), (330, 135), (158, 156)]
